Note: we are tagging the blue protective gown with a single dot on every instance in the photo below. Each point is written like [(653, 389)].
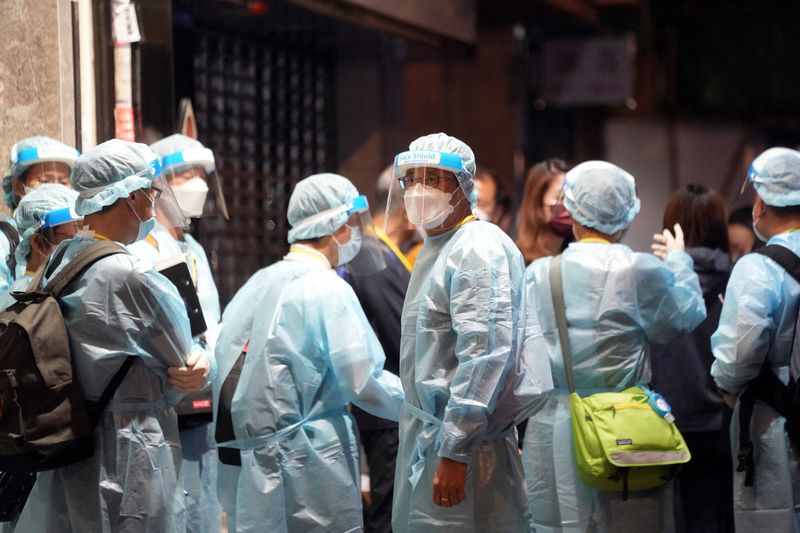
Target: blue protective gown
[(120, 307), (467, 382), (617, 302), (20, 285), (758, 325), (199, 465), (311, 352)]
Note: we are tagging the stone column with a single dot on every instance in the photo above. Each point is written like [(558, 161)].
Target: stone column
[(37, 89)]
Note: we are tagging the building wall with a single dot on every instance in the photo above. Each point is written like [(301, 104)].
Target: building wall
[(709, 154), (37, 93), (475, 99)]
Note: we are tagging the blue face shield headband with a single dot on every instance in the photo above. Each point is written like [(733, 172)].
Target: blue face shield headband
[(188, 158), (422, 159), (58, 217), (58, 154)]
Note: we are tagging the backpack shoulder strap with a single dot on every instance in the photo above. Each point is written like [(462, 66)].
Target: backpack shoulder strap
[(786, 258), (11, 234), (96, 409), (560, 308), (86, 258), (13, 240)]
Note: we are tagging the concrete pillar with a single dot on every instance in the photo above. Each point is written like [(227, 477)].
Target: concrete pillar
[(37, 90)]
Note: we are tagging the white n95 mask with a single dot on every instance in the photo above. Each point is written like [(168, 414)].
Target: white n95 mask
[(427, 207), (191, 197)]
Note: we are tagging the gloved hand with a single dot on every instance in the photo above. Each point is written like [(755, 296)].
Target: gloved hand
[(192, 377), (666, 243)]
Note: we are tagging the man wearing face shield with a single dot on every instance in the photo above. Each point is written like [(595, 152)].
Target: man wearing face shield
[(121, 307), (45, 218), (467, 376), (33, 161), (187, 165), (755, 341), (302, 349)]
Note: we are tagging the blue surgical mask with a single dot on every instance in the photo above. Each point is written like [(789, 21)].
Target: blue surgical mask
[(145, 226), (350, 249)]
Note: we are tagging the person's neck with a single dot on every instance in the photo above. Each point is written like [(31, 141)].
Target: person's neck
[(110, 225), (323, 246), (779, 226), (34, 261), (583, 233)]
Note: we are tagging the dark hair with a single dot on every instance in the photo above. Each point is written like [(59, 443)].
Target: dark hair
[(742, 216), (532, 222), (702, 214)]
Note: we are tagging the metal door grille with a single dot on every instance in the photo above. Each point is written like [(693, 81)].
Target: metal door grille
[(264, 108)]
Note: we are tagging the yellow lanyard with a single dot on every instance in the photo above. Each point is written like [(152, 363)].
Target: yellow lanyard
[(194, 271), (100, 237), (30, 272), (152, 240), (297, 249), (597, 240), (395, 250), (468, 218)]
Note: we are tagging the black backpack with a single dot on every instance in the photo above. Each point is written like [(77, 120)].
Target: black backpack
[(44, 421), (767, 387), (13, 241)]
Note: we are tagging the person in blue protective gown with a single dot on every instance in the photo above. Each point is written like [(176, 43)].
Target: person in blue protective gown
[(33, 161), (756, 329), (305, 350), (45, 217), (467, 375), (187, 164), (617, 303), (121, 307)]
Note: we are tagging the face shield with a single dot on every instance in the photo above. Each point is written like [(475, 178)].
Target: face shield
[(168, 211), (192, 175), (749, 178), (60, 225), (430, 189)]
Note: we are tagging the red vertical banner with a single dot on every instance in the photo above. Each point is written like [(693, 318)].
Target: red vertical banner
[(124, 124)]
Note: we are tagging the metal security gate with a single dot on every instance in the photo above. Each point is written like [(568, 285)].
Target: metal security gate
[(265, 109)]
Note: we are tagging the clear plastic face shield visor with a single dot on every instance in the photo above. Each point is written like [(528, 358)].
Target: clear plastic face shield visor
[(427, 188), (59, 225), (752, 176), (168, 211), (46, 164), (195, 182)]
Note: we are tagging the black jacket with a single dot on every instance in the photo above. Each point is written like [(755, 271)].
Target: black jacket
[(682, 368)]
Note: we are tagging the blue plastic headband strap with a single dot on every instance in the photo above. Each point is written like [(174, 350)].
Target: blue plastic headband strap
[(359, 204), (426, 158), (173, 159), (58, 217), (46, 153), (155, 167)]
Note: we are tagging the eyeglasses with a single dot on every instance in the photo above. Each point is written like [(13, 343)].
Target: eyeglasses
[(427, 179), (156, 193)]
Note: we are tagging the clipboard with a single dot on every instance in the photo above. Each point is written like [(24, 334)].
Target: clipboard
[(176, 270)]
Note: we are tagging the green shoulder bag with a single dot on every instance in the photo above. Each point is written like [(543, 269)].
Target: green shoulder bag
[(619, 441)]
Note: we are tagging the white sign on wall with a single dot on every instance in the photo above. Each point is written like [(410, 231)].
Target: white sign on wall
[(597, 71)]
